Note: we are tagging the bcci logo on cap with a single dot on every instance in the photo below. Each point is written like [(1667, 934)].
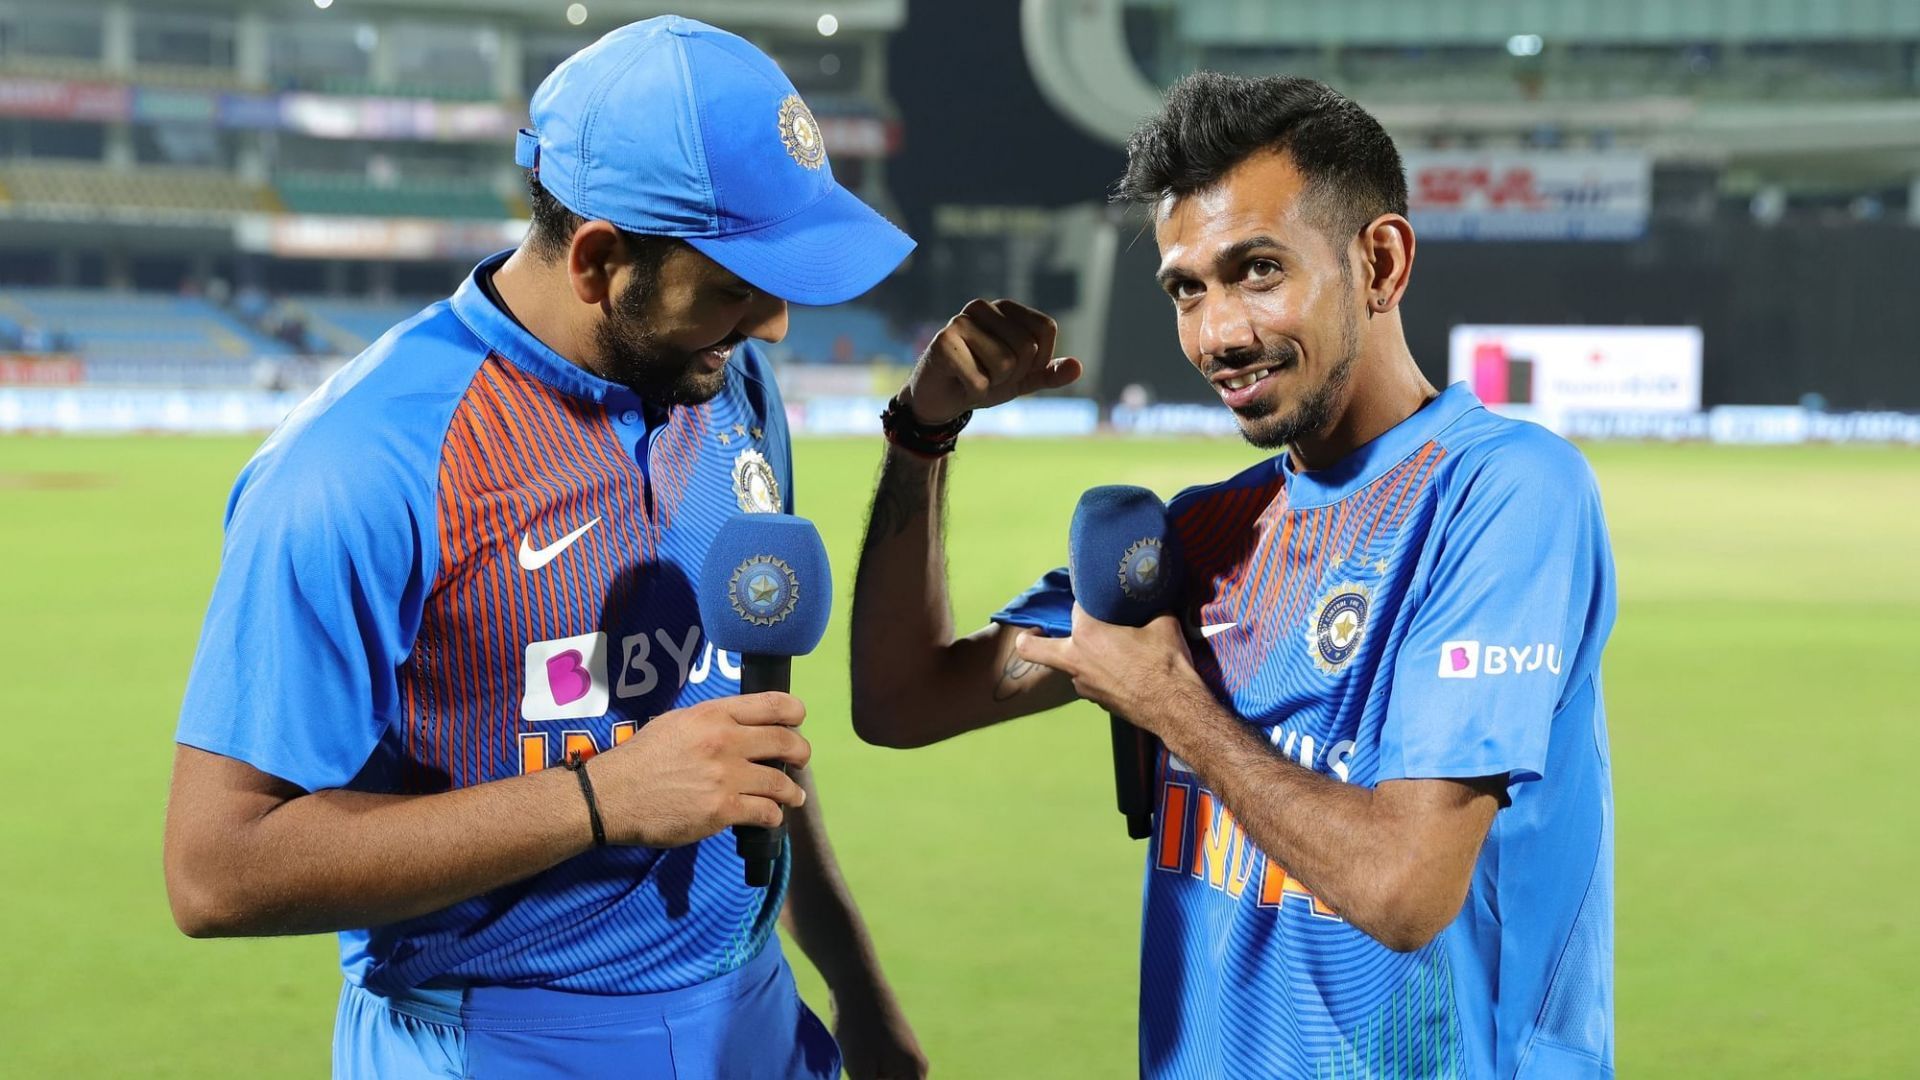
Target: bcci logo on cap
[(1338, 626), (763, 590), (1141, 569), (801, 133)]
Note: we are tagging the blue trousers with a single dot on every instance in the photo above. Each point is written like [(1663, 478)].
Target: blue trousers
[(749, 1024)]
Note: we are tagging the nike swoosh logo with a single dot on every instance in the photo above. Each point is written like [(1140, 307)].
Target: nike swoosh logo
[(532, 559), (1211, 629)]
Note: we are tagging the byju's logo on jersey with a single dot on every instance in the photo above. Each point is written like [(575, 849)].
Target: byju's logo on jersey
[(763, 590), (1471, 659), (566, 678), (1338, 626)]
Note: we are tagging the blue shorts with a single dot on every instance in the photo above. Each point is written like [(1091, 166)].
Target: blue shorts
[(745, 1025)]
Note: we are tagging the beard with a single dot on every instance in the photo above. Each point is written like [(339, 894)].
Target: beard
[(633, 355), (1267, 426)]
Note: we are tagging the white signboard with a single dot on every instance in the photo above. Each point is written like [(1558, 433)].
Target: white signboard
[(1547, 372), (1528, 195)]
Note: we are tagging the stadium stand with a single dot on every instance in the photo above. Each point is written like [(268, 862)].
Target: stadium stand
[(137, 327), (311, 193), (845, 334), (348, 326), (55, 189), (360, 87), (168, 75)]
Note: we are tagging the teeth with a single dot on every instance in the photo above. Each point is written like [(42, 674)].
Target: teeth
[(1241, 382)]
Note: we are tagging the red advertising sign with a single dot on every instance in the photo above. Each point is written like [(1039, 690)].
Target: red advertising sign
[(19, 370), (59, 99)]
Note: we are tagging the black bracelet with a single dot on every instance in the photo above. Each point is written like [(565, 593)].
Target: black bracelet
[(578, 764), (905, 430)]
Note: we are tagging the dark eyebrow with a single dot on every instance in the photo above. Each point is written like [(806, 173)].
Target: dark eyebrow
[(1232, 253)]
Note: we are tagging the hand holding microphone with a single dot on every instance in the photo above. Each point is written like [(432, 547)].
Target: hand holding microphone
[(1126, 573), (765, 593), (689, 773)]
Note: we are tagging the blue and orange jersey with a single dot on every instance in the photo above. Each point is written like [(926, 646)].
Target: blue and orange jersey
[(462, 559), (1432, 606)]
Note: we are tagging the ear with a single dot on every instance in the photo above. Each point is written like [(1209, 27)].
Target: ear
[(593, 255), (1386, 255)]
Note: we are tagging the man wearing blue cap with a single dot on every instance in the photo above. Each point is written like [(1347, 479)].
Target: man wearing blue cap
[(453, 698)]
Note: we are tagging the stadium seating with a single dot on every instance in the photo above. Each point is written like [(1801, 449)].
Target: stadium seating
[(357, 87), (153, 188), (145, 338), (309, 193), (348, 326), (840, 334), (147, 74)]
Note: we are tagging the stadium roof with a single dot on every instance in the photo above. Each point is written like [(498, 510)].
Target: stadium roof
[(605, 14)]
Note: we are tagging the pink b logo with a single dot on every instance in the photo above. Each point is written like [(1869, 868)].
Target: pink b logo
[(1459, 659), (567, 678)]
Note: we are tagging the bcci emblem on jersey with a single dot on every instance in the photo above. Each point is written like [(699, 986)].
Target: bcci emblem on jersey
[(1338, 625), (763, 590), (754, 483), (1140, 569)]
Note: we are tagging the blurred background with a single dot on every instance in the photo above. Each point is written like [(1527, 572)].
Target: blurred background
[(1683, 232), (262, 188)]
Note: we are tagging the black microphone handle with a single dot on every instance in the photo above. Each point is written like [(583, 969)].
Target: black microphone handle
[(758, 845), (1133, 760)]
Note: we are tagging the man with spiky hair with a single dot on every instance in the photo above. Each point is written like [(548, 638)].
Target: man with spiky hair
[(1382, 837)]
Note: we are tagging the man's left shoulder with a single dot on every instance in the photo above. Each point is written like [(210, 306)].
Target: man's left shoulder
[(1487, 452)]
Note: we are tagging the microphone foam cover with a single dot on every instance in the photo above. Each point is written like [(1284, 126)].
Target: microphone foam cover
[(765, 588), (1121, 557)]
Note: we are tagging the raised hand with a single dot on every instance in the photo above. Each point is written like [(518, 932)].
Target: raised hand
[(993, 351)]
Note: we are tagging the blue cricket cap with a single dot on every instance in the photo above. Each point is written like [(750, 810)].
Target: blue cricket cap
[(671, 127)]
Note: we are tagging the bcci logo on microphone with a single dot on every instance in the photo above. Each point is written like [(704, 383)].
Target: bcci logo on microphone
[(1140, 569), (763, 590)]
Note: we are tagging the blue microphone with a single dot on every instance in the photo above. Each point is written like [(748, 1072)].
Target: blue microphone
[(1125, 569), (765, 593)]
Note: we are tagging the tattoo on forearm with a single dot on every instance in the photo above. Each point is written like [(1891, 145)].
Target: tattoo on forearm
[(899, 499), (1013, 677)]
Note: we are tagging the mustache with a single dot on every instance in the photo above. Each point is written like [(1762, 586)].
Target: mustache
[(727, 342), (1279, 354)]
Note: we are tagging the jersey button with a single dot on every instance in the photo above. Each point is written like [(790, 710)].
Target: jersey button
[(631, 416)]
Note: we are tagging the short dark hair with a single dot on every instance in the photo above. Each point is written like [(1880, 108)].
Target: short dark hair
[(1212, 122), (554, 225)]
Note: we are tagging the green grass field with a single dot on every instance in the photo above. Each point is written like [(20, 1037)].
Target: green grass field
[(1760, 691)]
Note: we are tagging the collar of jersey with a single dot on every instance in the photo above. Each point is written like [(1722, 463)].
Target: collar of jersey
[(521, 349), (1358, 470)]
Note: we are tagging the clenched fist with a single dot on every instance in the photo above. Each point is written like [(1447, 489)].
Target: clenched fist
[(692, 772), (993, 351)]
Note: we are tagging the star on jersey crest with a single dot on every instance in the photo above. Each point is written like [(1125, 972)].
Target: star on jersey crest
[(754, 483), (1337, 626)]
